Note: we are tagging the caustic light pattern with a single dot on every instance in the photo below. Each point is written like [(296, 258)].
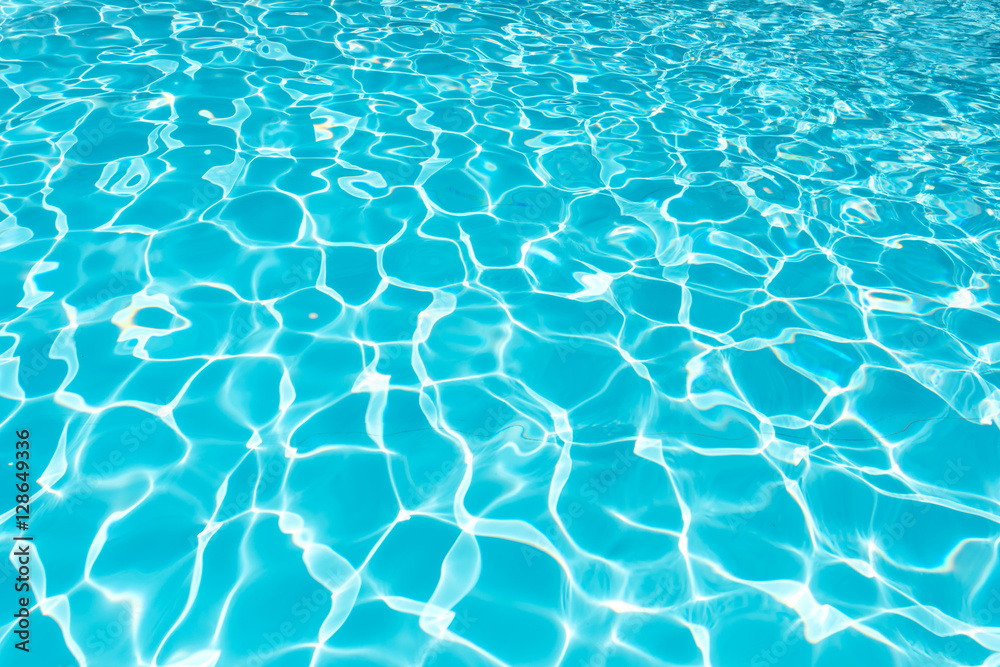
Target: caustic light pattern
[(503, 333)]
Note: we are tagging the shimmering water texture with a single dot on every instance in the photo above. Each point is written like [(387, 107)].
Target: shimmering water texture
[(539, 333)]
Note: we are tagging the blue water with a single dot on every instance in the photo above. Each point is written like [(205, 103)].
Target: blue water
[(547, 333)]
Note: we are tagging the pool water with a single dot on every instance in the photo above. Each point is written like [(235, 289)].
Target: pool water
[(547, 333)]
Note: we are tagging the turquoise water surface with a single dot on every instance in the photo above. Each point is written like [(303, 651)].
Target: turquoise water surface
[(593, 334)]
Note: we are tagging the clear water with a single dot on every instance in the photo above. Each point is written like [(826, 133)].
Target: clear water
[(497, 333)]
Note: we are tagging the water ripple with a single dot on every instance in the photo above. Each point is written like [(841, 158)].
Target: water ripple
[(417, 333)]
